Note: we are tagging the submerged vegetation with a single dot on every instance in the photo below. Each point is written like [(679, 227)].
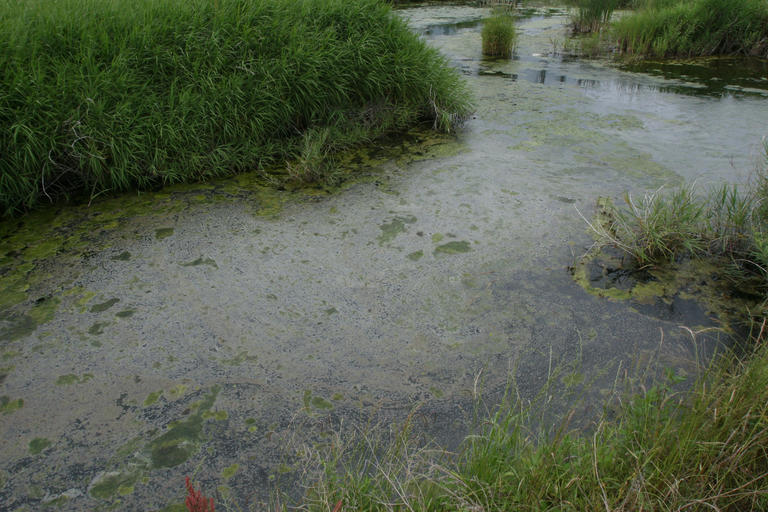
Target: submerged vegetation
[(97, 97), (499, 34)]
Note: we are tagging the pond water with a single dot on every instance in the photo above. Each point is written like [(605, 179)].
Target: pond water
[(209, 330)]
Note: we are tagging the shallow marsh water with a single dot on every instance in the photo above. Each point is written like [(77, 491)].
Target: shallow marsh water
[(211, 329)]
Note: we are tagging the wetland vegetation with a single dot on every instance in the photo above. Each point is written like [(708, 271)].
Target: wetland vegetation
[(499, 34), (335, 74), (677, 28), (101, 97)]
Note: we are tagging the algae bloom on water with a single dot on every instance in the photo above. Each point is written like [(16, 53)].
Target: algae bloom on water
[(101, 96)]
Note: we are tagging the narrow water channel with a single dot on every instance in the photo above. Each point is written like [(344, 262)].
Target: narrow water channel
[(209, 329)]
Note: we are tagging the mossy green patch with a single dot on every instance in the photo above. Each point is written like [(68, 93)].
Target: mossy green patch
[(315, 402), (7, 405), (71, 378), (126, 313), (123, 256), (216, 415), (15, 326), (98, 308), (97, 328), (200, 261), (390, 230), (240, 358), (437, 238), (4, 372), (163, 233), (112, 483), (10, 355), (38, 444), (416, 255), (152, 398), (178, 390), (436, 392), (456, 247), (182, 439), (230, 471)]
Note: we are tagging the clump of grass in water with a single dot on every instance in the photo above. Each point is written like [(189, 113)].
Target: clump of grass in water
[(689, 28), (663, 226), (98, 97), (499, 35)]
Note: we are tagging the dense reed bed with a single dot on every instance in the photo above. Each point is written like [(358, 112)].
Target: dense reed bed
[(99, 96), (689, 28)]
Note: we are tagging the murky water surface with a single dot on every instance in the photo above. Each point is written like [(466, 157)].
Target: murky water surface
[(208, 329)]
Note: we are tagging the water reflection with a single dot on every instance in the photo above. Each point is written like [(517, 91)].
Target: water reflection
[(445, 29), (713, 77)]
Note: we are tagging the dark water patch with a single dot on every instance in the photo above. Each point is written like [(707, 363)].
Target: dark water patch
[(712, 76), (98, 308), (445, 29), (201, 261)]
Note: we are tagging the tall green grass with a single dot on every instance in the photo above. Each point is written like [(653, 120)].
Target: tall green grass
[(686, 28), (499, 35), (659, 450), (592, 15), (98, 96)]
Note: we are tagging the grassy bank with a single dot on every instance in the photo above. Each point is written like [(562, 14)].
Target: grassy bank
[(705, 450), (688, 28), (103, 96)]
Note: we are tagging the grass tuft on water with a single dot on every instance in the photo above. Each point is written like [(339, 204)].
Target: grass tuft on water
[(499, 35), (101, 96)]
